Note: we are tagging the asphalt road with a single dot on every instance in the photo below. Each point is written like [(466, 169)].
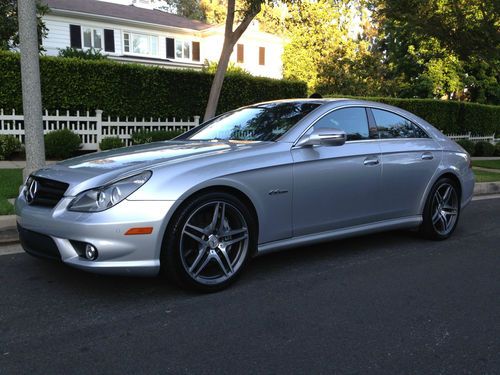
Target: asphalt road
[(387, 303)]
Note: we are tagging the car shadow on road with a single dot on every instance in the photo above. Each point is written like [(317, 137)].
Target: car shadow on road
[(55, 275)]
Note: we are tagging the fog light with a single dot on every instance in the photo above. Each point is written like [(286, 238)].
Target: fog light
[(90, 252)]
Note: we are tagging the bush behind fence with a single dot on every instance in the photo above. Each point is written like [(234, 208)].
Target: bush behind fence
[(135, 90)]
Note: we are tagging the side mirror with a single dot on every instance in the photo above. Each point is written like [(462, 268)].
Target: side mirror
[(323, 137)]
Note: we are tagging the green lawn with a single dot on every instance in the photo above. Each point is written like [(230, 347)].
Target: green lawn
[(10, 180), (492, 164), (483, 176)]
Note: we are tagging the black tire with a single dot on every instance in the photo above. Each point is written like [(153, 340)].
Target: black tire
[(174, 259), (434, 221)]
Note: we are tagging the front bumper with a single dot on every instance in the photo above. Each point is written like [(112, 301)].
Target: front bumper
[(53, 233)]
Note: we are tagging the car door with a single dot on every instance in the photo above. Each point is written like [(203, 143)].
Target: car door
[(337, 186), (410, 158)]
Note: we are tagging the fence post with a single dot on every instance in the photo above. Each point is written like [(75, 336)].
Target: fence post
[(98, 115), (196, 121)]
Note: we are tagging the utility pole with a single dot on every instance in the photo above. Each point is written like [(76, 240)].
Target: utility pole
[(32, 94)]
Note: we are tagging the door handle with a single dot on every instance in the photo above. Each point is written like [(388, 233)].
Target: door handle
[(371, 161), (427, 156)]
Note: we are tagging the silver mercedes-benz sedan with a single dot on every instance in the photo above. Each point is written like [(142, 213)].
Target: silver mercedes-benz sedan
[(265, 177)]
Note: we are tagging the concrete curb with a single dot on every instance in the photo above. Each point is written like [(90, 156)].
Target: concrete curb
[(484, 188)]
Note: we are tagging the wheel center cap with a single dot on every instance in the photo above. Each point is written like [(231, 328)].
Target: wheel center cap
[(213, 241)]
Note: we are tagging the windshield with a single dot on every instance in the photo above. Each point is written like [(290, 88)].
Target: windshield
[(266, 122)]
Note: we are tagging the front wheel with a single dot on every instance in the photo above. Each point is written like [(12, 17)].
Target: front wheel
[(210, 241), (442, 210)]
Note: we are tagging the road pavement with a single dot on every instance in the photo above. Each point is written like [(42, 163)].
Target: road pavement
[(385, 303)]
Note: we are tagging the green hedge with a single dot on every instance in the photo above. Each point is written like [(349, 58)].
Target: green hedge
[(451, 117), (135, 90)]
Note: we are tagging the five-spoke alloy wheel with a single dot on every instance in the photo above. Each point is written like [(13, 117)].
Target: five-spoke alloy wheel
[(211, 240), (441, 210)]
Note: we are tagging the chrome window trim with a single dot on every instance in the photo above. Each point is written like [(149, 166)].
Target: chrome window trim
[(333, 110), (365, 140)]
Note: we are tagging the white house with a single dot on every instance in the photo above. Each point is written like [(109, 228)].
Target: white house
[(139, 33)]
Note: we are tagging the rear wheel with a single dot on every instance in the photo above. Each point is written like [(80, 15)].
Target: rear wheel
[(209, 242), (442, 210)]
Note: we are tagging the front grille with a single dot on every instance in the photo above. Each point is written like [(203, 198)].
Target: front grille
[(48, 192), (38, 244)]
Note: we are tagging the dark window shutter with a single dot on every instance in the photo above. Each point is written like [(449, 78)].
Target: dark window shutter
[(170, 48), (262, 56), (196, 51), (240, 53), (109, 40), (75, 36)]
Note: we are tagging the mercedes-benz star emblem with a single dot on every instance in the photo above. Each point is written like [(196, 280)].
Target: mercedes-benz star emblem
[(32, 190)]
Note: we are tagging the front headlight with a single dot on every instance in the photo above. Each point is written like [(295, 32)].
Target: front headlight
[(105, 197)]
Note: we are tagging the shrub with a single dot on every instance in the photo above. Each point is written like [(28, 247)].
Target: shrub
[(141, 137), (109, 143), (8, 145), (468, 145), (61, 144), (497, 149), (484, 149), (89, 54), (135, 90)]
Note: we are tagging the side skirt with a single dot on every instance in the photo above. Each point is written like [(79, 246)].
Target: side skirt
[(310, 239)]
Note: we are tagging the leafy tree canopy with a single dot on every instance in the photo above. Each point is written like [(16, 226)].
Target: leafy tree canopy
[(9, 35)]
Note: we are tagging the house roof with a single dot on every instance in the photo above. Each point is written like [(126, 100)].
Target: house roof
[(126, 12)]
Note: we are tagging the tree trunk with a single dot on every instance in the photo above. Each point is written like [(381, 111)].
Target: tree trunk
[(216, 88), (30, 79), (230, 39)]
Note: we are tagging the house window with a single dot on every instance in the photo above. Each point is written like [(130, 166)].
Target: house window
[(262, 56), (140, 44), (240, 53), (182, 49), (92, 38)]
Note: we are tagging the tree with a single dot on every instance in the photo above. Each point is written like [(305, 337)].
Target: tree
[(9, 35), (442, 47), (186, 8), (231, 36)]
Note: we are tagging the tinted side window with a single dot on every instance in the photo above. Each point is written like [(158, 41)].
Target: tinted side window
[(352, 120), (391, 125)]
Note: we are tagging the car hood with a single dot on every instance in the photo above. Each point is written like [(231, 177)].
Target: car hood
[(89, 171)]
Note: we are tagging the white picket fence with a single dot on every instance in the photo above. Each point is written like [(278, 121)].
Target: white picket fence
[(474, 138), (93, 128)]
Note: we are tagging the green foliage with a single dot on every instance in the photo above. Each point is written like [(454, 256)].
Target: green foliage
[(468, 145), (232, 68), (437, 48), (142, 137), (497, 149), (449, 116), (9, 188), (88, 54), (484, 149), (484, 176), (9, 35), (8, 145), (185, 8), (109, 143), (135, 90), (61, 144)]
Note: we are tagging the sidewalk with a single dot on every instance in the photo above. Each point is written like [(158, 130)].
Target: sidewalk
[(18, 164)]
